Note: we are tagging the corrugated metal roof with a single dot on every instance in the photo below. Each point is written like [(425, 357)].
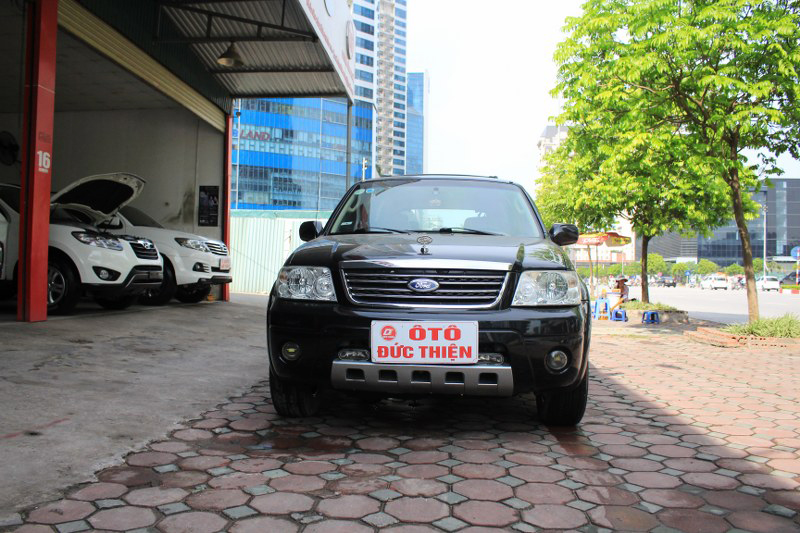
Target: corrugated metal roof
[(281, 52)]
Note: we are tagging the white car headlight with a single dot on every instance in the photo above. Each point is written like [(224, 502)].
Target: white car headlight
[(547, 287), (306, 283), (194, 244), (93, 239)]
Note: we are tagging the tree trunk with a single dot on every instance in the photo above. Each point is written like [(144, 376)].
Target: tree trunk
[(591, 269), (645, 288), (747, 251)]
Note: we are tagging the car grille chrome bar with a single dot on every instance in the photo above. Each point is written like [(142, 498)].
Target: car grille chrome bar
[(217, 248), (142, 252), (389, 287)]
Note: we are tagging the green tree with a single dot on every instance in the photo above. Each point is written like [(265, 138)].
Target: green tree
[(734, 269), (656, 264), (758, 265), (679, 270), (705, 267), (722, 75), (599, 174)]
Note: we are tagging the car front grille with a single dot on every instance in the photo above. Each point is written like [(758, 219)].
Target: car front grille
[(457, 288), (143, 252), (217, 248)]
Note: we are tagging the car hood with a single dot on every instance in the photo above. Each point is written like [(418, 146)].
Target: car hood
[(517, 253), (159, 235), (101, 195)]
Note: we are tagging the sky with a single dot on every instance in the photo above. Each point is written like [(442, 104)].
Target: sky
[(491, 71)]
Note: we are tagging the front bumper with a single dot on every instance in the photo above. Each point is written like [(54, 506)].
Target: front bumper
[(139, 279), (523, 336)]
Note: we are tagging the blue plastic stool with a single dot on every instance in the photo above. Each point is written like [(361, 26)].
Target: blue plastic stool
[(619, 315), (650, 317), (601, 309)]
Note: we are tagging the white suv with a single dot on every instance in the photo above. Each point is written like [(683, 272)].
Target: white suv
[(768, 283), (115, 269), (192, 264)]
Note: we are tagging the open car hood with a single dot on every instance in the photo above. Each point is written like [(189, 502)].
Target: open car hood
[(102, 195)]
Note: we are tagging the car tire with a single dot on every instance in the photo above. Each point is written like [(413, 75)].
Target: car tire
[(191, 294), (165, 292), (117, 303), (63, 287), (563, 408), (293, 400)]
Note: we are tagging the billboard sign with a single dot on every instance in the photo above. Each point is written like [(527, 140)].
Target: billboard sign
[(333, 23)]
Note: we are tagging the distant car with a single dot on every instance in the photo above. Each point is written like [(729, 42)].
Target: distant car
[(192, 264), (768, 283), (714, 282), (789, 279), (667, 281), (81, 257)]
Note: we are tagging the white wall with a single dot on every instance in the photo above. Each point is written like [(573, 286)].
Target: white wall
[(173, 150)]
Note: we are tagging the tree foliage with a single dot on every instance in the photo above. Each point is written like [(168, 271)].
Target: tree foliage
[(704, 267), (734, 269), (671, 92), (656, 264)]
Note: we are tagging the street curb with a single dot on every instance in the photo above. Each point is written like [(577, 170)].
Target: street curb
[(719, 338)]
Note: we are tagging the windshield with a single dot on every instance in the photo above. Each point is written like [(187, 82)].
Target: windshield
[(137, 218), (437, 205)]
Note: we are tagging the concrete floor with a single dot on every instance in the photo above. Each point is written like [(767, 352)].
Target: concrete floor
[(78, 393)]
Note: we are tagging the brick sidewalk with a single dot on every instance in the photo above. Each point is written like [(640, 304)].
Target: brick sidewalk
[(678, 435)]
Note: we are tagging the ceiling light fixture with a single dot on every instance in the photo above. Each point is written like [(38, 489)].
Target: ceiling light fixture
[(231, 57)]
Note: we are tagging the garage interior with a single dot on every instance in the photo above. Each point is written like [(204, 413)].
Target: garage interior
[(141, 87)]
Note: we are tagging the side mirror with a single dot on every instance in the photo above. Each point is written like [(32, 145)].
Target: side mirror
[(310, 230), (564, 234)]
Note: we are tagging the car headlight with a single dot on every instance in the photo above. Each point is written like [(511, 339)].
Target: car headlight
[(306, 283), (548, 287), (93, 239), (194, 244)]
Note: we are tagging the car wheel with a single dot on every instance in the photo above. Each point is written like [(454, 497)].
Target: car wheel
[(164, 292), (563, 408), (293, 400), (63, 288), (192, 294), (116, 303)]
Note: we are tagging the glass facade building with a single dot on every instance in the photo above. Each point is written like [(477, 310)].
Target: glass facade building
[(724, 246), (415, 132), (290, 153)]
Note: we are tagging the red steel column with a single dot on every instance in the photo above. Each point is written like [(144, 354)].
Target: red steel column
[(37, 150), (226, 195)]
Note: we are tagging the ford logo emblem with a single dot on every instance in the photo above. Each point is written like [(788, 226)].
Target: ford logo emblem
[(423, 285)]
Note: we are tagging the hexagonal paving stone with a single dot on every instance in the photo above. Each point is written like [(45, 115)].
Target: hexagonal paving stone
[(99, 491), (296, 483), (416, 509), (483, 489), (123, 518), (351, 506), (554, 517), (622, 518), (264, 524), (692, 521), (154, 496), (419, 487), (217, 499), (485, 513), (193, 522), (61, 511)]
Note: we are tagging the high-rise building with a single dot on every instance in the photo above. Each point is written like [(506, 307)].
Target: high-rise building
[(290, 153), (415, 132), (390, 131)]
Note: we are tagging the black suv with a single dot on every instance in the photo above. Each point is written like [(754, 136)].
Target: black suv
[(431, 285)]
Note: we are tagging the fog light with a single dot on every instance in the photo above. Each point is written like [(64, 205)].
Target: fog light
[(290, 351), (556, 360), (353, 354), (106, 274), (491, 358)]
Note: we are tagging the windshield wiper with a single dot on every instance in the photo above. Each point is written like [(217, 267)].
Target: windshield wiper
[(376, 229), (466, 230)]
